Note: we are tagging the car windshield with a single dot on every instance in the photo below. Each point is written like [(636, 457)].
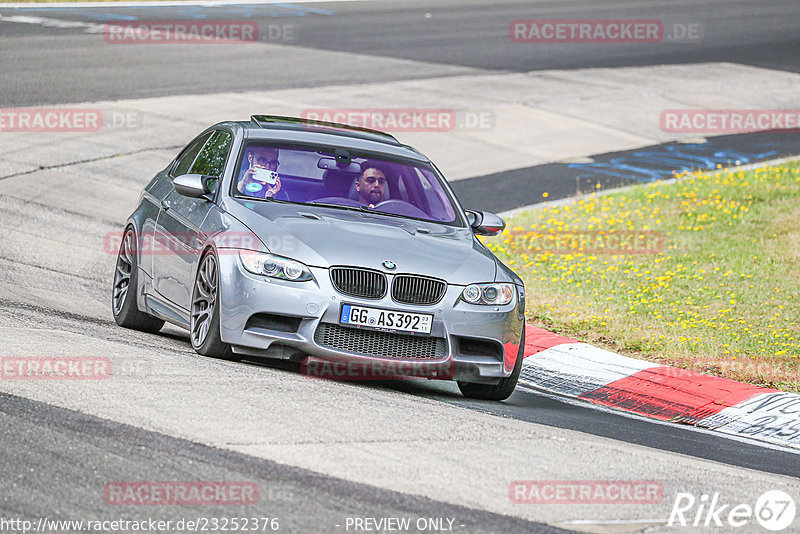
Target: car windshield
[(340, 179)]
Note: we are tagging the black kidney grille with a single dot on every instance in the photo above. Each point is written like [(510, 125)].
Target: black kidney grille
[(412, 289), (361, 283), (380, 344)]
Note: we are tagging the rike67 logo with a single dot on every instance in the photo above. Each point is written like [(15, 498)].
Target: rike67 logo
[(774, 510)]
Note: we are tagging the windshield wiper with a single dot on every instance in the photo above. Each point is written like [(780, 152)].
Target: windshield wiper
[(268, 199), (340, 206), (364, 209), (379, 212)]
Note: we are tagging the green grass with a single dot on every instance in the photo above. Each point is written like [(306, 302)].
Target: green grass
[(721, 297)]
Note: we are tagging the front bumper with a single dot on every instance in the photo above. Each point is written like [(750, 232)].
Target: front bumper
[(467, 342)]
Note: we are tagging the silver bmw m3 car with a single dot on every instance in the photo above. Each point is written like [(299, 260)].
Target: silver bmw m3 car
[(326, 244)]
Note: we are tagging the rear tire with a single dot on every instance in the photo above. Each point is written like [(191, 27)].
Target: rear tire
[(204, 322), (503, 389), (123, 296)]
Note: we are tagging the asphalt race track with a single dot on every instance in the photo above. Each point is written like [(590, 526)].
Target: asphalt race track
[(323, 453), (459, 36), (93, 451)]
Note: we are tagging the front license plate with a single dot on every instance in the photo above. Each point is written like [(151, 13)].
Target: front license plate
[(388, 320)]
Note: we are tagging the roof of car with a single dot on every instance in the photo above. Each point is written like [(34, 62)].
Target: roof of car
[(335, 128), (330, 133)]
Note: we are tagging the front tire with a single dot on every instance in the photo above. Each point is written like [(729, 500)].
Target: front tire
[(123, 297), (503, 389), (204, 323)]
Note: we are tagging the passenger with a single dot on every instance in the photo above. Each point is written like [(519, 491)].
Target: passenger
[(261, 179), (371, 183)]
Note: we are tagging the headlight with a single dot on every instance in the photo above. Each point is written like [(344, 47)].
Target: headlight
[(497, 294), (274, 266)]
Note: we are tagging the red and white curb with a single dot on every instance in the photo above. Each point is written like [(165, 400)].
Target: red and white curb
[(567, 367)]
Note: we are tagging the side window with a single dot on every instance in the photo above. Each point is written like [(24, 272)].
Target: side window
[(188, 156), (211, 160)]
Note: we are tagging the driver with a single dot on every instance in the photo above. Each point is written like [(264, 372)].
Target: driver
[(371, 183)]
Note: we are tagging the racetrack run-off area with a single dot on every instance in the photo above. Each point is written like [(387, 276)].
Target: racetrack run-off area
[(564, 366)]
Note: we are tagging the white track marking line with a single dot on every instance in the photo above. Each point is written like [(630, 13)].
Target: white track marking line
[(176, 3), (52, 23)]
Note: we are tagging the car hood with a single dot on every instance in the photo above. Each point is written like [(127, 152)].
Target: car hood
[(321, 237)]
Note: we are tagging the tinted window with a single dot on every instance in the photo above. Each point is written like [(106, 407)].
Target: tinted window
[(438, 201), (187, 158), (304, 174)]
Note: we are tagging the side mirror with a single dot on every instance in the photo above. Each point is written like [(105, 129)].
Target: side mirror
[(192, 185), (485, 223)]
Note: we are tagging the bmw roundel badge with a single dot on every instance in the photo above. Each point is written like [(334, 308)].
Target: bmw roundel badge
[(389, 264)]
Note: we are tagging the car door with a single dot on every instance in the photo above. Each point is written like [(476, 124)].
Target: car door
[(158, 190), (178, 239)]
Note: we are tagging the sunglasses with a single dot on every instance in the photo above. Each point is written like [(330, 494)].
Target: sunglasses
[(264, 161)]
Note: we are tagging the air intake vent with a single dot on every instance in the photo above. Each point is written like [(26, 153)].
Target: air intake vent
[(361, 283), (268, 321), (380, 344), (411, 289)]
